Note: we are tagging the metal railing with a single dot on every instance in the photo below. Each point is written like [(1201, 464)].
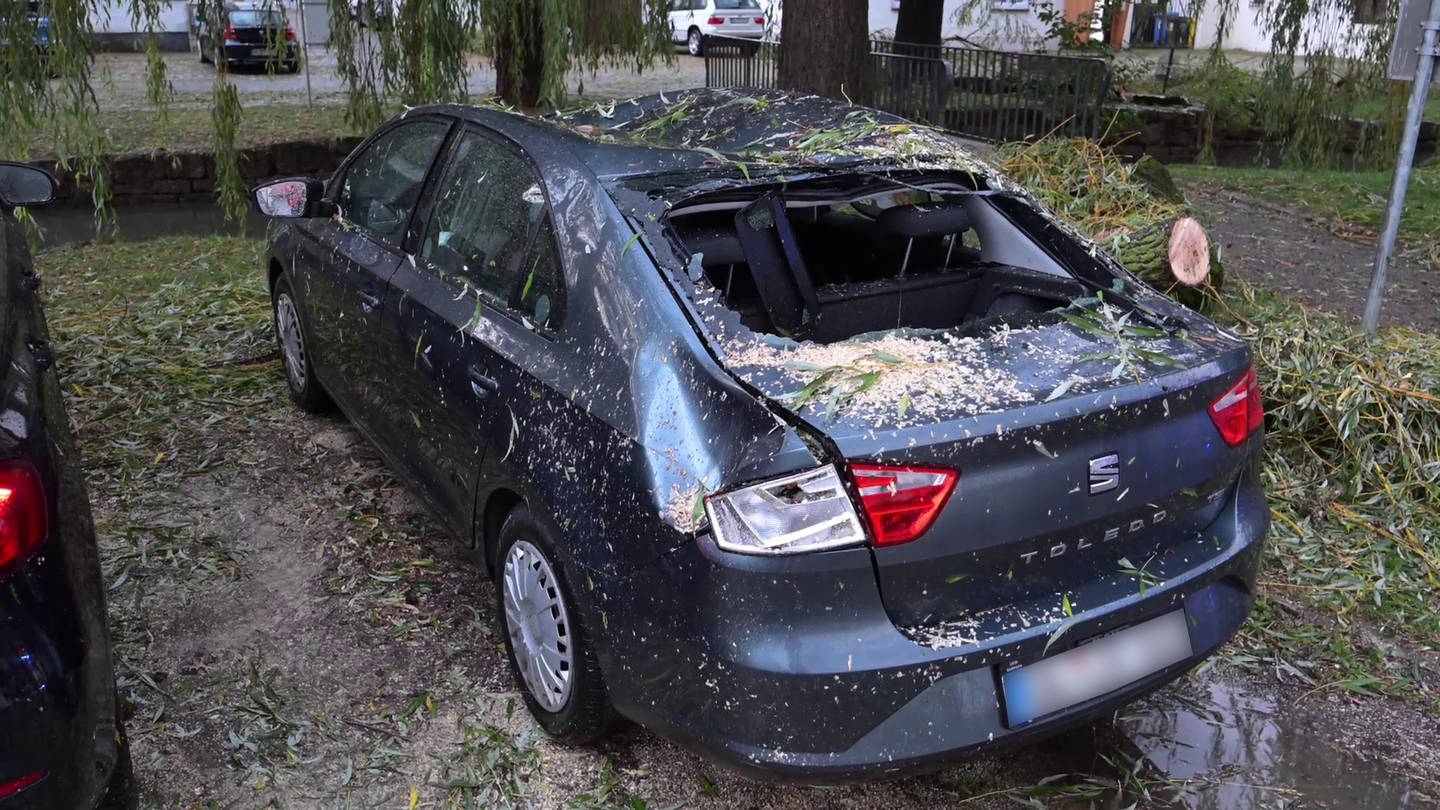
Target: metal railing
[(984, 94), (735, 62)]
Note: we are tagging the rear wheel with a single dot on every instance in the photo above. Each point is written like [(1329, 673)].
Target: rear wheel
[(294, 354), (548, 644), (695, 42), (200, 46)]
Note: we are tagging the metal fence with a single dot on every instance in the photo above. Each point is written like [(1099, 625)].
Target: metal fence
[(734, 62), (989, 95)]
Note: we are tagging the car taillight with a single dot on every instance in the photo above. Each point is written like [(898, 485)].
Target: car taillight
[(22, 514), (796, 513), (759, 20), (229, 35), (289, 33), (715, 21), (902, 502), (16, 785), (1238, 412)]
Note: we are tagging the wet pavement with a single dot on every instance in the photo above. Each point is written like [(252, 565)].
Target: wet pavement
[(120, 80)]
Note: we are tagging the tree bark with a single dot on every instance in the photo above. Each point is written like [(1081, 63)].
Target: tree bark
[(520, 62), (920, 22), (826, 48)]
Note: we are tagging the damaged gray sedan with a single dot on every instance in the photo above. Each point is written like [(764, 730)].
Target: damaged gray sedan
[(786, 428)]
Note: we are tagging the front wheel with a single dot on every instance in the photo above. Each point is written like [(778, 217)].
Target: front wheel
[(695, 42), (294, 354), (548, 644)]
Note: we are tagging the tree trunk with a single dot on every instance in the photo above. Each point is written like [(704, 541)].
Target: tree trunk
[(520, 61), (826, 48), (920, 23)]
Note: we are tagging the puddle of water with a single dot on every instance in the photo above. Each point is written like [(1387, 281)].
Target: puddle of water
[(64, 225), (1244, 752)]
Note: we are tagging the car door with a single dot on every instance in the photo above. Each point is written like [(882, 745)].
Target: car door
[(343, 264), (481, 216)]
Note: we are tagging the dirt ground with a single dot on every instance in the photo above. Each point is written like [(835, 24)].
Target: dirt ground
[(293, 630), (1321, 263)]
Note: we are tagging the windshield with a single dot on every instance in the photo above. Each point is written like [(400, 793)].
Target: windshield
[(727, 5), (256, 19)]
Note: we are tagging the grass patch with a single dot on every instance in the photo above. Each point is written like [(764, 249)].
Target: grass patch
[(1351, 590), (1357, 199)]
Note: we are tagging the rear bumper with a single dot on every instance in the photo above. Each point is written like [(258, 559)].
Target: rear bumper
[(797, 671), (245, 54)]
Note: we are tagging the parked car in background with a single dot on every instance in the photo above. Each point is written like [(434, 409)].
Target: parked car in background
[(247, 35), (62, 743), (693, 20), (846, 461), (375, 13)]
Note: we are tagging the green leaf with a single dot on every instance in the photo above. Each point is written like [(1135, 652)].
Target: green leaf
[(1065, 605)]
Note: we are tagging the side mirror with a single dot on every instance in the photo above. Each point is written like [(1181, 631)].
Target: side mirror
[(293, 198), (22, 184)]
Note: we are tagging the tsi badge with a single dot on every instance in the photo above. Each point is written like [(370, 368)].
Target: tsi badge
[(1104, 473)]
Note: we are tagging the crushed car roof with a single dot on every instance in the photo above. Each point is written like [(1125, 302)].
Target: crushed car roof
[(746, 130)]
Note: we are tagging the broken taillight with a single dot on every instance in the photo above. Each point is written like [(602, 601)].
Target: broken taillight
[(902, 502), (808, 511), (1238, 412)]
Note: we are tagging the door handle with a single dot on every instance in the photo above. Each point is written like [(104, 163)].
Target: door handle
[(369, 303), (480, 385)]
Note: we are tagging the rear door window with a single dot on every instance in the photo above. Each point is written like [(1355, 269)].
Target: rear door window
[(487, 207), (541, 300), (382, 184)]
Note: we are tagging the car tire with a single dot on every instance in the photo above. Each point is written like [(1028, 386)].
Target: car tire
[(695, 42), (295, 357), (204, 57), (121, 792), (292, 67), (574, 708)]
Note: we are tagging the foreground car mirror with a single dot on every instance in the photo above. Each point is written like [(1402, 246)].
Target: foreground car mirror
[(294, 198), (22, 184)]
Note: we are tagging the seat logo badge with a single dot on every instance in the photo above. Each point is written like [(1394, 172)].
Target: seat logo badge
[(1104, 473)]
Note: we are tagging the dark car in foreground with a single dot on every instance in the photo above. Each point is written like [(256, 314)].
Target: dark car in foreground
[(61, 740), (787, 429), (254, 35)]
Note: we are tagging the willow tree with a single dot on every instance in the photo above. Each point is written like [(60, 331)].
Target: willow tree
[(1326, 65)]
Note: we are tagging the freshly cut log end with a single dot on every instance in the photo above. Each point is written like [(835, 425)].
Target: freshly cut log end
[(1189, 252)]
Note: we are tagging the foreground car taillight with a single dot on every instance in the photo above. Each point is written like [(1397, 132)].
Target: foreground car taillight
[(16, 785), (22, 514), (1238, 412), (808, 511), (902, 502)]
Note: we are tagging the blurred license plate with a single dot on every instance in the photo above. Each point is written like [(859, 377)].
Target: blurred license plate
[(1092, 669), (262, 51)]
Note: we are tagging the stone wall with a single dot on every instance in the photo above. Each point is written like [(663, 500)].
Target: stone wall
[(176, 176), (1173, 133)]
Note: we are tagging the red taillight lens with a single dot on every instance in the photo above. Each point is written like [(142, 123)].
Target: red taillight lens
[(1238, 412), (902, 502), (22, 514), (229, 35), (14, 786), (715, 21), (759, 20), (289, 33)]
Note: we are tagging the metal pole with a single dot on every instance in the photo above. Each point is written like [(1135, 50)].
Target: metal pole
[(305, 49), (1404, 164)]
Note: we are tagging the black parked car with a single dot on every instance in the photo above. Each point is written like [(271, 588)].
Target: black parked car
[(61, 740), (787, 429), (247, 35)]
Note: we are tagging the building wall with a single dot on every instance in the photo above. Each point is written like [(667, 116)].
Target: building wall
[(1246, 33), (1003, 24)]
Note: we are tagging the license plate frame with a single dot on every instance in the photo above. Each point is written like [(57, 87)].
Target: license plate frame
[(1095, 668), (262, 53)]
